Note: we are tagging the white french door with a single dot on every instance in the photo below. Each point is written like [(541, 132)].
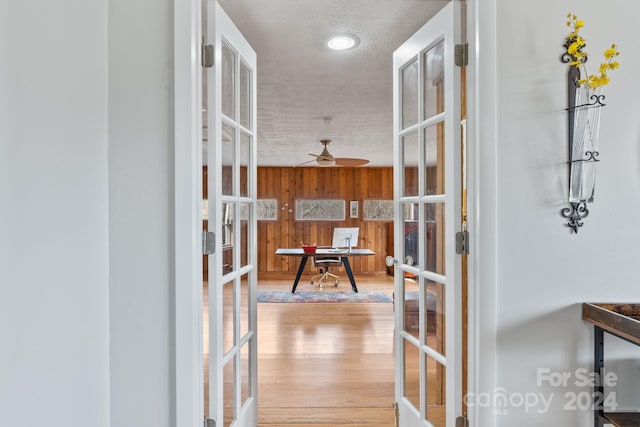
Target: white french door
[(427, 179), (230, 346)]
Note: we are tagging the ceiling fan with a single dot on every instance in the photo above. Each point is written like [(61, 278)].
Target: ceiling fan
[(326, 159)]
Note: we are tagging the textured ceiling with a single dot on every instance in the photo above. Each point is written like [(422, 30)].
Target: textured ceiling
[(300, 80)]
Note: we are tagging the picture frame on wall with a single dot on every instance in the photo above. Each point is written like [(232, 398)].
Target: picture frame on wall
[(320, 210), (353, 209), (267, 209), (378, 210)]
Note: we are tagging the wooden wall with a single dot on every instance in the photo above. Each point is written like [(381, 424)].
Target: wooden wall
[(286, 184)]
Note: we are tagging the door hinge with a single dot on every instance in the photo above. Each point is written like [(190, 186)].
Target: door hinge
[(208, 242), (462, 242), (208, 55), (208, 422), (462, 55), (462, 421)]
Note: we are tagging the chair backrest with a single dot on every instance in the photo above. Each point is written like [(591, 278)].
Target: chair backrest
[(345, 237), (324, 261)]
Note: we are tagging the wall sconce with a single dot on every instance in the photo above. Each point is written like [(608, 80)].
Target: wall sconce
[(585, 101)]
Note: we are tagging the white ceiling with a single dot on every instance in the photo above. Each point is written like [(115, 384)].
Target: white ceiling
[(300, 80)]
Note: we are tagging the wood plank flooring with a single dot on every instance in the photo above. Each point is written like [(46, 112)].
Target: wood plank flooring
[(326, 364)]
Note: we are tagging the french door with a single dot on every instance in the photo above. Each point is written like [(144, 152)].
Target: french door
[(230, 347), (427, 179)]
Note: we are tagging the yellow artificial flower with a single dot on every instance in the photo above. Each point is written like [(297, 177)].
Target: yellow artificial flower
[(610, 53), (575, 45), (573, 48)]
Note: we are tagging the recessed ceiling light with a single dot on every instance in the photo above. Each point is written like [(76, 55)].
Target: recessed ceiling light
[(343, 42)]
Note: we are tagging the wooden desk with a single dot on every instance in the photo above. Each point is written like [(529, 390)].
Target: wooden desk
[(326, 253), (622, 321)]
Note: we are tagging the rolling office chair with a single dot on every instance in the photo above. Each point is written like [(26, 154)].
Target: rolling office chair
[(342, 237), (323, 265)]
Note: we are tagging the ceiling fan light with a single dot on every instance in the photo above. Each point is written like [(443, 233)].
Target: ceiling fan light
[(325, 162), (343, 42)]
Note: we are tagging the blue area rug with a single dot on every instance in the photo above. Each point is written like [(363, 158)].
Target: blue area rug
[(323, 296)]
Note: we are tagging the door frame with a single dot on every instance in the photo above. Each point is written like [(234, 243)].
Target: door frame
[(188, 383), (482, 203), (482, 197)]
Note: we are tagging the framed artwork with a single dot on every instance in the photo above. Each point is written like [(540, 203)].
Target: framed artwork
[(353, 209), (267, 209), (320, 210), (378, 210)]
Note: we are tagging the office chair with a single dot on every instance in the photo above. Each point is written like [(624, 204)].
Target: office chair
[(323, 265)]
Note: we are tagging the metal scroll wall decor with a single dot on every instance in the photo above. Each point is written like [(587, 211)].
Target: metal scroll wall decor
[(585, 102), (584, 120)]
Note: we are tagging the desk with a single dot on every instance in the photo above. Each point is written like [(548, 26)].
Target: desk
[(622, 321), (327, 253)]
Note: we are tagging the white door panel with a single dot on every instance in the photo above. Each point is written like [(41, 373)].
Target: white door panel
[(427, 175), (231, 158)]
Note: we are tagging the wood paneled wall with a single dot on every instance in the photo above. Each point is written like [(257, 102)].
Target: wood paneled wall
[(288, 184)]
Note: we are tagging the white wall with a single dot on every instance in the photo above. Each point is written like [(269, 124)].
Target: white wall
[(140, 223), (86, 172), (544, 273), (54, 302)]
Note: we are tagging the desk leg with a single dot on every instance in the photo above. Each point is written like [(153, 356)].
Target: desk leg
[(598, 364), (303, 262), (347, 266)]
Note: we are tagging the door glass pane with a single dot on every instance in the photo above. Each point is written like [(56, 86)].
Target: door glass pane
[(434, 80), (244, 233), (228, 81), (244, 153), (409, 83), (411, 235), (411, 155), (435, 317), (245, 369), (228, 230), (228, 145), (436, 390), (411, 373), (205, 345), (244, 305), (227, 316), (245, 96), (434, 238), (434, 158), (411, 301), (228, 398)]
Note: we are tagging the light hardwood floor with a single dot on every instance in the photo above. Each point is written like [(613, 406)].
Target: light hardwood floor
[(328, 364), (332, 364)]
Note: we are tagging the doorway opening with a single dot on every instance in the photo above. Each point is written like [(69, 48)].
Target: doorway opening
[(295, 325)]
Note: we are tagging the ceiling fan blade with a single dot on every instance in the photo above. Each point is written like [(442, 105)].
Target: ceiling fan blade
[(349, 161), (303, 163)]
